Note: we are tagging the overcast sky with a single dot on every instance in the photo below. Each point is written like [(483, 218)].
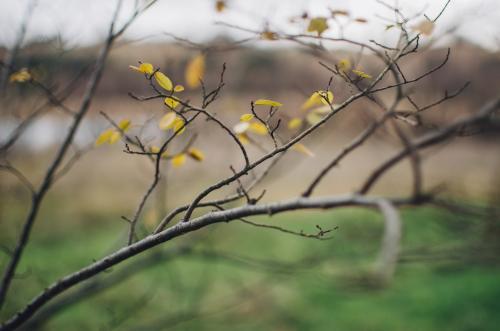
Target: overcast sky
[(84, 21)]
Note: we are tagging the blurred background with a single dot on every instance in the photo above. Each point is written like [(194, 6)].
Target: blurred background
[(234, 276)]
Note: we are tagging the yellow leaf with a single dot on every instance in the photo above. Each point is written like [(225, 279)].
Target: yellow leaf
[(326, 97), (195, 71), (196, 154), (178, 88), (164, 81), (124, 125), (318, 25), (313, 100), (295, 123), (318, 98), (104, 137), (179, 126), (344, 65), (258, 128), (135, 68), (425, 27), (20, 76), (325, 109), (167, 121), (243, 138), (171, 102), (313, 118), (146, 68), (266, 102), (241, 127), (115, 136), (179, 160), (246, 117), (301, 148), (362, 74), (220, 5)]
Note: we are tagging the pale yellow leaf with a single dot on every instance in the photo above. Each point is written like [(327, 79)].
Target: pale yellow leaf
[(179, 126), (171, 102), (301, 148), (167, 121), (196, 154), (124, 125), (313, 100), (146, 68), (243, 138), (318, 98), (104, 137), (294, 123), (325, 109), (266, 102), (115, 136), (178, 88), (179, 160), (258, 128), (425, 27), (313, 118), (195, 71), (246, 117), (362, 74), (163, 81), (135, 68), (241, 127), (326, 97), (344, 65), (318, 25)]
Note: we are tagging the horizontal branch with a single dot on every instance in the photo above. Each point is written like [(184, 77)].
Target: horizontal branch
[(183, 228)]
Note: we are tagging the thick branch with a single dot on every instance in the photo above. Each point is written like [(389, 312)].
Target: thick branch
[(183, 228)]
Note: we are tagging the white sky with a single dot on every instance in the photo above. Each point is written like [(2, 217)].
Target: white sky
[(85, 21)]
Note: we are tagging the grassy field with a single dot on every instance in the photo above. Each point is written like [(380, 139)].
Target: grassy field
[(237, 277)]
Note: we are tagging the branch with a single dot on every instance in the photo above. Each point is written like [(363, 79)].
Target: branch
[(293, 141), (430, 139), (59, 157), (389, 251), (182, 228)]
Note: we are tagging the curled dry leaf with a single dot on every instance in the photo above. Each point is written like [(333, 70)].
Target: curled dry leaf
[(20, 76)]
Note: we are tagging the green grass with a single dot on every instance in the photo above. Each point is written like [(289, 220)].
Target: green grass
[(259, 279)]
